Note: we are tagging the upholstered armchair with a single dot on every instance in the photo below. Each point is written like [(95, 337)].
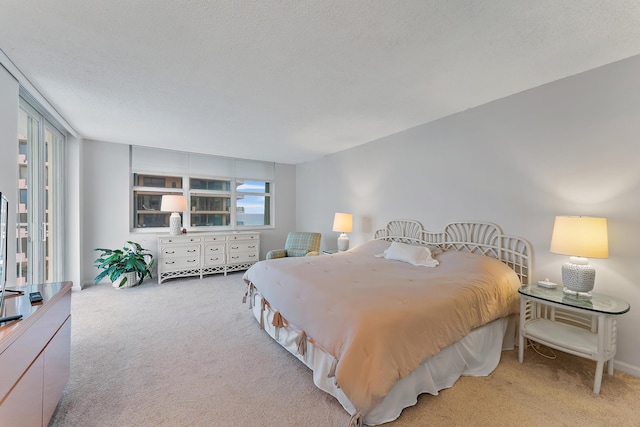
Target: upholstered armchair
[(299, 243)]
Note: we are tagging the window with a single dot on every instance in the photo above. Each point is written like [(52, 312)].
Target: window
[(253, 203), (147, 197), (210, 202), (217, 194), (39, 193)]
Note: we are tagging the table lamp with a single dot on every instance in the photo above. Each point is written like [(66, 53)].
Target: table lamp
[(343, 223), (580, 237), (174, 204)]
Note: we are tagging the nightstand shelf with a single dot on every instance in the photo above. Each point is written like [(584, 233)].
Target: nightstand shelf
[(566, 337), (582, 326)]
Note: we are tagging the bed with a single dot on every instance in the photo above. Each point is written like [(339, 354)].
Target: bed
[(406, 313)]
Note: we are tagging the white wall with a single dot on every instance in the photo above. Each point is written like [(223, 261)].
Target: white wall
[(569, 147), (9, 158), (105, 204), (74, 256)]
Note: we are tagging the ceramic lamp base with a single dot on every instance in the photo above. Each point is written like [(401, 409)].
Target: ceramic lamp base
[(343, 242), (578, 276), (175, 226)]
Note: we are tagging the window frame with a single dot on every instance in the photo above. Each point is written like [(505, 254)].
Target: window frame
[(43, 231), (212, 193), (187, 192), (151, 189)]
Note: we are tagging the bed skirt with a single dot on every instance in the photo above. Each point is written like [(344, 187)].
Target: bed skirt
[(477, 354)]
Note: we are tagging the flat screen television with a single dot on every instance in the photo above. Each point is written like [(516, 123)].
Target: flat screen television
[(4, 223), (4, 217)]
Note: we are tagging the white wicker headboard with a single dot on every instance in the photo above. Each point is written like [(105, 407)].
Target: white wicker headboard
[(483, 238)]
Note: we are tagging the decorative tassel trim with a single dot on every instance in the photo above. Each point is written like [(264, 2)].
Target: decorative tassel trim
[(262, 307), (356, 420), (277, 321), (332, 370), (302, 343), (248, 294)]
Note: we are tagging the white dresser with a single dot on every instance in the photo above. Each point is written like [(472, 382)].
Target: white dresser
[(197, 254)]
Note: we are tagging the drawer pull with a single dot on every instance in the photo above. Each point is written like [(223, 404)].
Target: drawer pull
[(191, 250), (191, 260), (214, 259), (235, 257), (170, 262), (251, 247), (252, 256), (234, 247), (214, 249), (170, 252)]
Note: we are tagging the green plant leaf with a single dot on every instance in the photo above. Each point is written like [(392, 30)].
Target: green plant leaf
[(131, 258), (101, 276)]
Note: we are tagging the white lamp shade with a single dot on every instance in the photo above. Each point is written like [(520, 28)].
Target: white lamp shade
[(580, 236), (173, 203), (343, 222)]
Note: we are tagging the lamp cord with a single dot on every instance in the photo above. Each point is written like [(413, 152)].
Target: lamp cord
[(535, 346)]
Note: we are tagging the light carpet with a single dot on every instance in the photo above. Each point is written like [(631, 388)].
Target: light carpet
[(189, 353)]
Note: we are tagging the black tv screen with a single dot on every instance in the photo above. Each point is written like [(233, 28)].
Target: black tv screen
[(4, 219)]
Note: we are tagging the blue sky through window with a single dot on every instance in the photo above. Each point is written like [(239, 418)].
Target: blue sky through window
[(252, 204), (251, 187)]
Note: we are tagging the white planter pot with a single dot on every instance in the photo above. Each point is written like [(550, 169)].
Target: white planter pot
[(132, 280)]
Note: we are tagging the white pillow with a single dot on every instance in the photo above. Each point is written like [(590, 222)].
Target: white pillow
[(415, 255)]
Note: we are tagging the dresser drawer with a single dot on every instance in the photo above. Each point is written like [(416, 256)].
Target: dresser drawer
[(244, 236), (180, 239), (243, 246), (243, 257), (180, 251), (215, 259), (180, 263), (215, 238), (214, 249)]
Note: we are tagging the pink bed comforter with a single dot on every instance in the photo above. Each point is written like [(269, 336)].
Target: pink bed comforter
[(381, 318)]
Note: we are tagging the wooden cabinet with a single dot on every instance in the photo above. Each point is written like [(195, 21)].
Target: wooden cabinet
[(35, 355), (198, 254)]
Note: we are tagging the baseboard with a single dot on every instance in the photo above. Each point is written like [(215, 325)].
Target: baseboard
[(85, 284), (626, 368)]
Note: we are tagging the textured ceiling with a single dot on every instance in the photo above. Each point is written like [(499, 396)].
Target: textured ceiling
[(290, 81)]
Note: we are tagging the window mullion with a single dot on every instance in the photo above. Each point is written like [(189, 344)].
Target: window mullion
[(234, 204)]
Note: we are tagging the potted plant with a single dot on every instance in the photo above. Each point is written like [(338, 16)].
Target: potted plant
[(125, 267)]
